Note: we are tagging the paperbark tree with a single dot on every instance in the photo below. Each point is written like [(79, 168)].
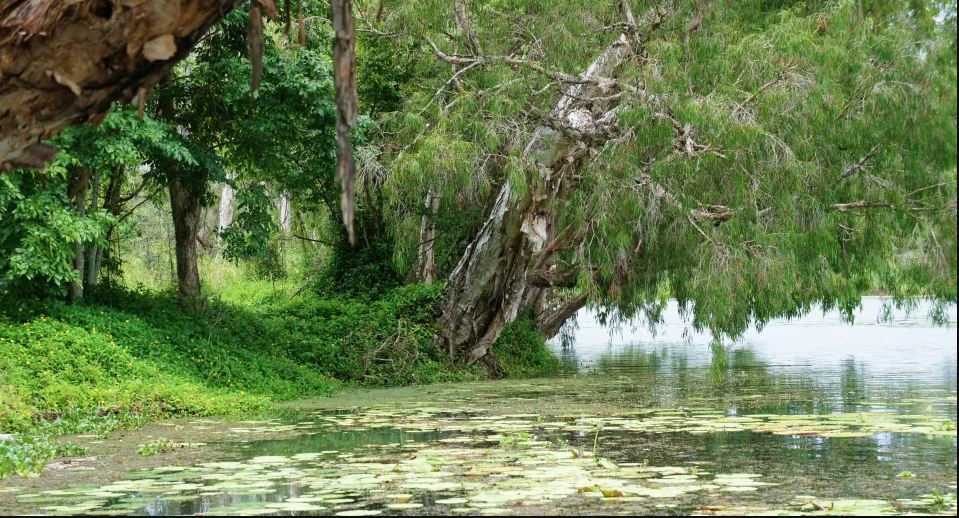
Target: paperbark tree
[(65, 63), (426, 269), (752, 162)]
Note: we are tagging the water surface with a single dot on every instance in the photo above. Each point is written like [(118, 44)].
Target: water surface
[(810, 416)]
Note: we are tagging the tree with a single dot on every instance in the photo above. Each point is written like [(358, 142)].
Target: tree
[(58, 222), (92, 54), (749, 159)]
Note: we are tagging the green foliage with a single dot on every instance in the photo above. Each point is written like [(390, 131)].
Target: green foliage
[(853, 75), (56, 356), (382, 340), (39, 231), (521, 352), (250, 237), (26, 456), (363, 270)]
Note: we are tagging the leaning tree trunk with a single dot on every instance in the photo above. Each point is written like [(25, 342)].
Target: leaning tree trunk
[(65, 63), (186, 207), (488, 287)]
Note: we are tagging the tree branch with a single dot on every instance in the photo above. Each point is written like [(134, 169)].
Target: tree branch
[(763, 88), (551, 278), (861, 205), (858, 166)]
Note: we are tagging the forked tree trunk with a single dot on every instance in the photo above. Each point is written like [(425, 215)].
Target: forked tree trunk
[(426, 270), (186, 207), (66, 63), (488, 287)]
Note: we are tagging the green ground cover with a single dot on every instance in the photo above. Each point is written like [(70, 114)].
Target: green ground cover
[(127, 356)]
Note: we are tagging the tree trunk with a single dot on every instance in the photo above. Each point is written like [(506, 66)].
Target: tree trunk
[(426, 271), (93, 252), (488, 287), (186, 208), (66, 63), (77, 188), (286, 213), (227, 195), (551, 320)]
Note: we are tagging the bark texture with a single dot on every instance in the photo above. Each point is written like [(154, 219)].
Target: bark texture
[(77, 188), (66, 62), (186, 208), (426, 272), (227, 195), (286, 213), (347, 103), (488, 287)]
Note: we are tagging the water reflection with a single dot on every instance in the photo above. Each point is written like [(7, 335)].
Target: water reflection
[(871, 361)]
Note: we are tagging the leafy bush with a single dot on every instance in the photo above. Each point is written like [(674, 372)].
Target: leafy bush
[(27, 456), (521, 352)]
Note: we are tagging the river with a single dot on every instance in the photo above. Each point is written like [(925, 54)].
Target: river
[(809, 416)]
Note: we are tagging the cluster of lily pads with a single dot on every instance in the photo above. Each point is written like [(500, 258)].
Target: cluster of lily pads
[(693, 421), (417, 477)]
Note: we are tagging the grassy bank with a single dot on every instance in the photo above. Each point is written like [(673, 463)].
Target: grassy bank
[(125, 356)]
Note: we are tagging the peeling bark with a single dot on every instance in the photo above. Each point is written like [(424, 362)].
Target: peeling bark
[(65, 63), (347, 103), (426, 270), (488, 287)]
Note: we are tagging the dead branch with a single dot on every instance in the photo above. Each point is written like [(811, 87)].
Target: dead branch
[(782, 76), (860, 205), (569, 79), (858, 166)]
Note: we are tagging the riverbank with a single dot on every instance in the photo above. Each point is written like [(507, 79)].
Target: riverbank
[(125, 357)]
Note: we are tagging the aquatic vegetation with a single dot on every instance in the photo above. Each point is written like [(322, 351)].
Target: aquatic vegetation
[(164, 445), (704, 421), (945, 426), (26, 456), (517, 441)]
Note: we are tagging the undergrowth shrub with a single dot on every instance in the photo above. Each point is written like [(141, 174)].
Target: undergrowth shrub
[(521, 352)]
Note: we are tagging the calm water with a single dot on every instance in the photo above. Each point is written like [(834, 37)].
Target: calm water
[(883, 358), (859, 418)]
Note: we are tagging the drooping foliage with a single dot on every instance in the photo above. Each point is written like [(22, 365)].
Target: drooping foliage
[(767, 157)]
